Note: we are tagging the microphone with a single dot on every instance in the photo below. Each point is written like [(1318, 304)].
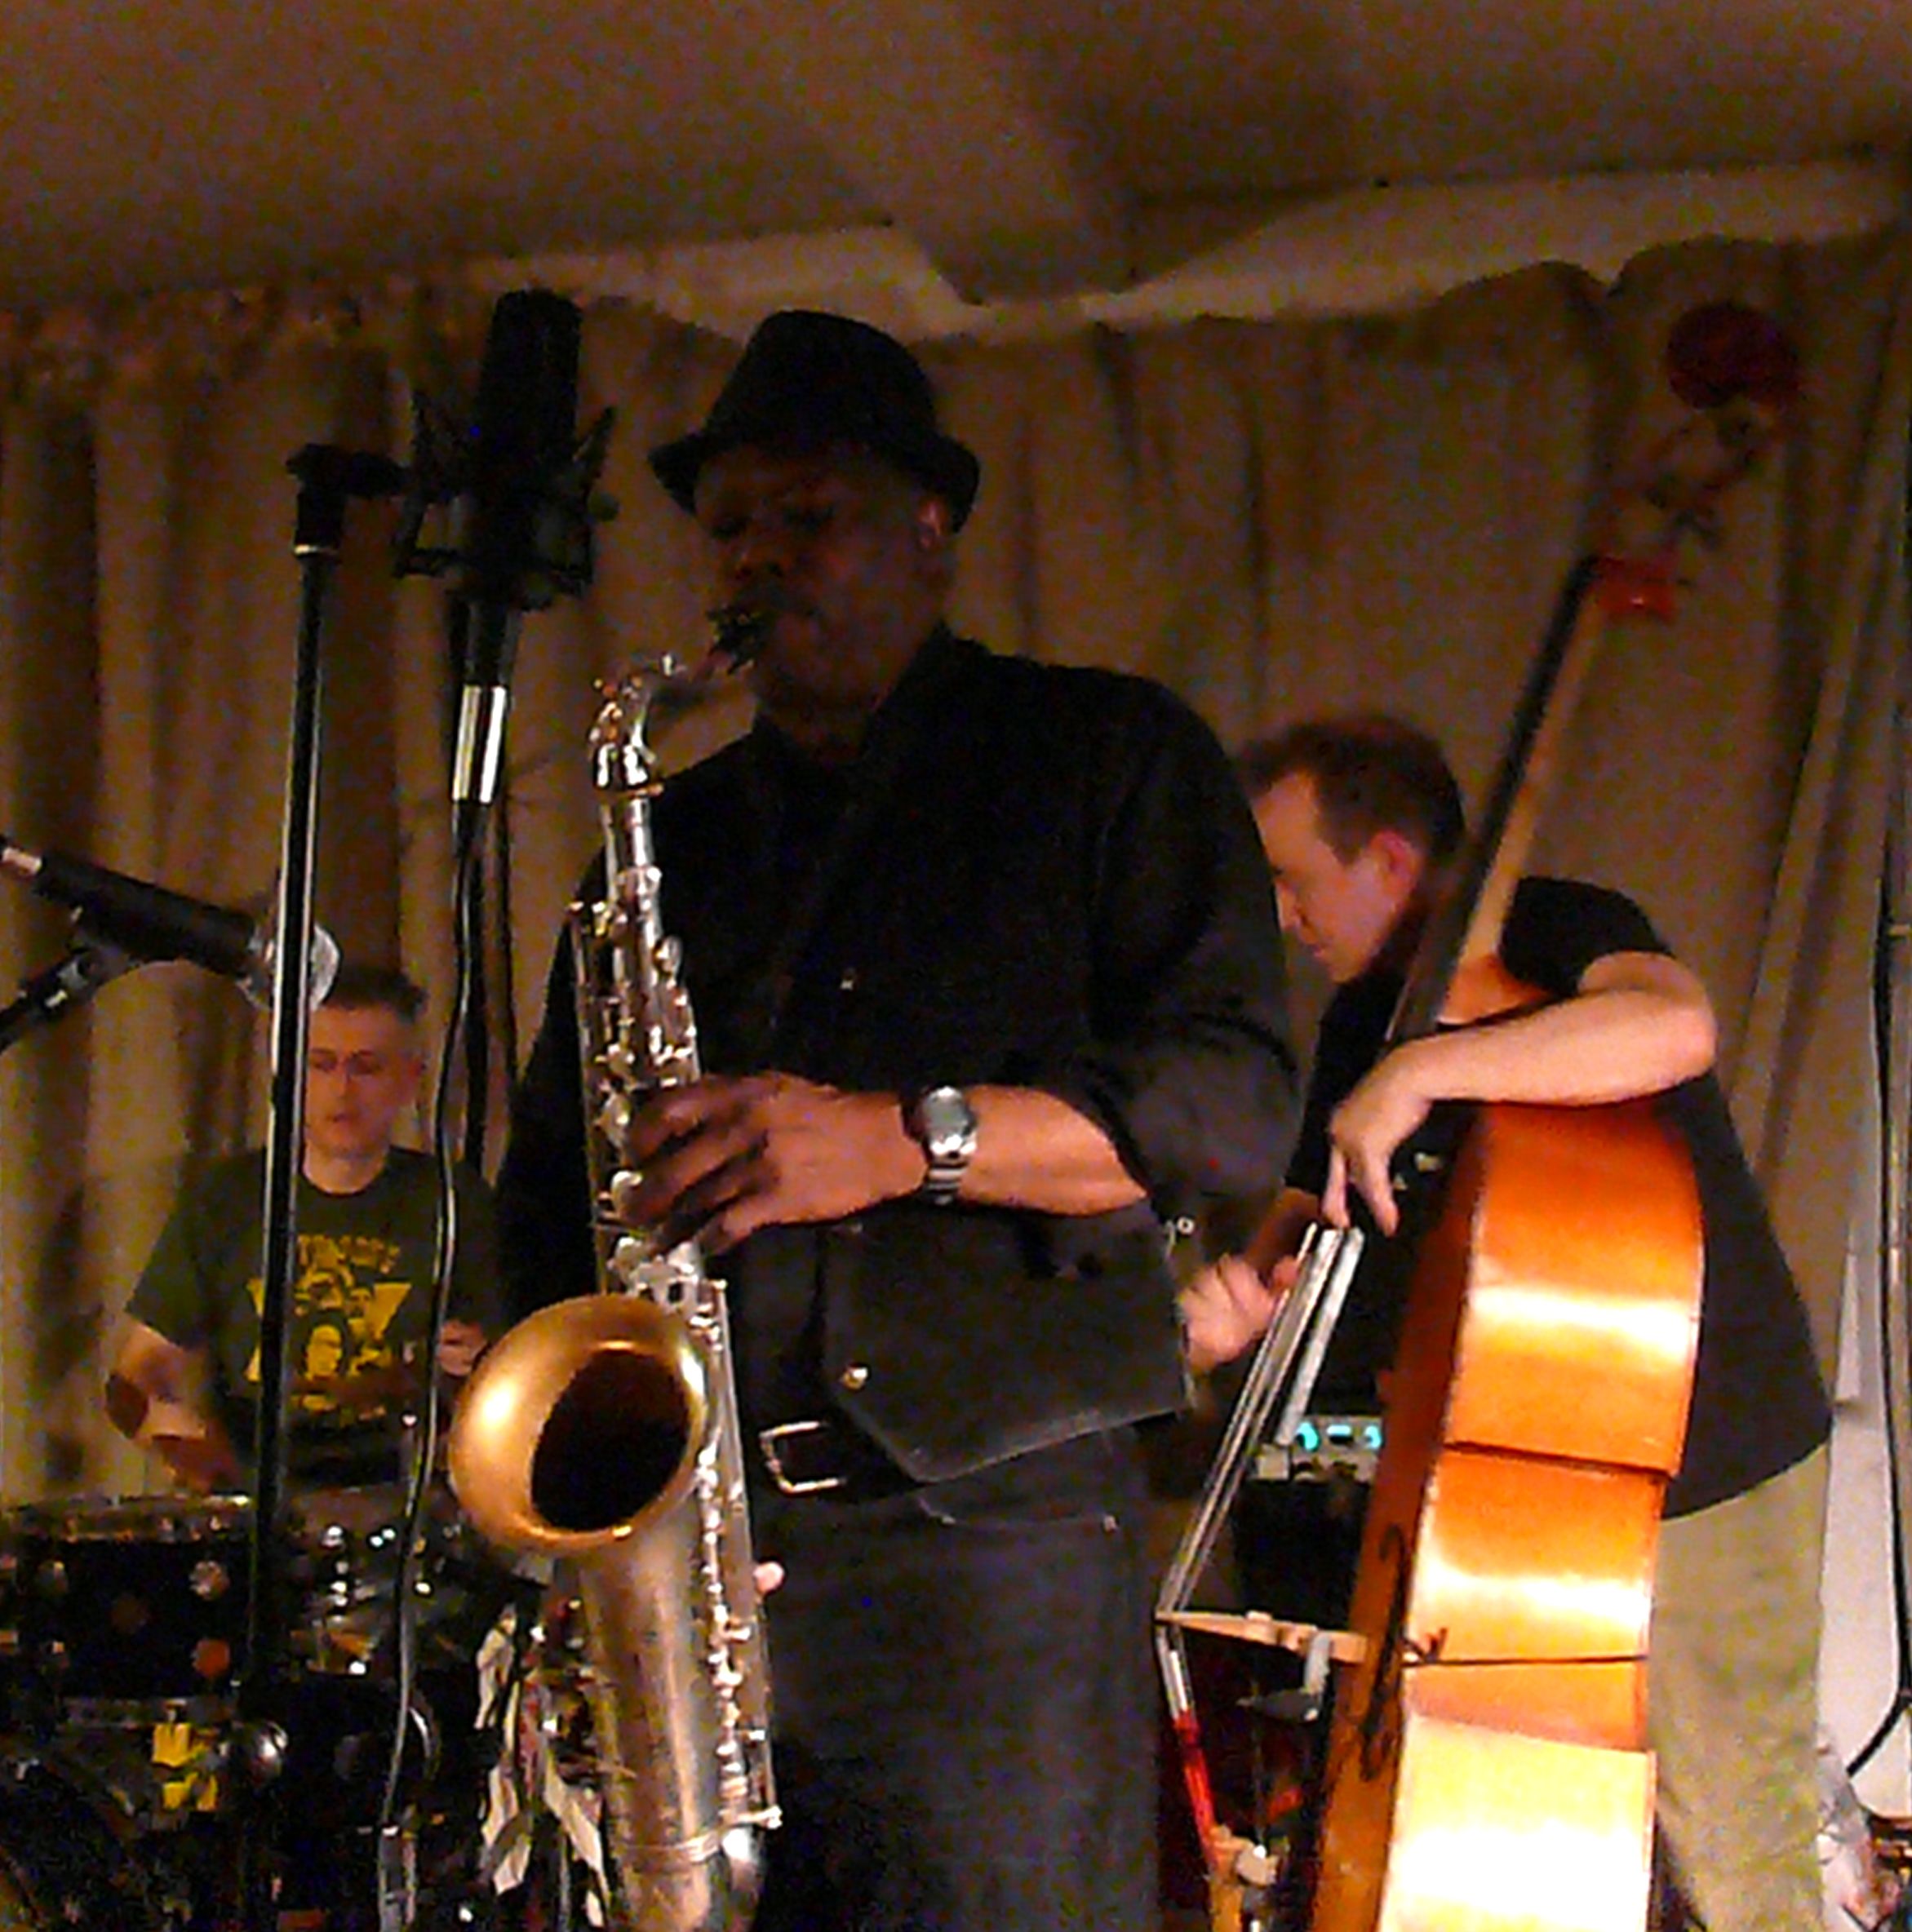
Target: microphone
[(504, 508), (514, 518), (523, 439), (151, 924)]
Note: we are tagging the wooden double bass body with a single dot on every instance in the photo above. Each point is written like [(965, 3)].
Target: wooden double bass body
[(1487, 1768)]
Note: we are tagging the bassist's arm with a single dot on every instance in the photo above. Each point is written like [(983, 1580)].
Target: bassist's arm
[(1637, 1024)]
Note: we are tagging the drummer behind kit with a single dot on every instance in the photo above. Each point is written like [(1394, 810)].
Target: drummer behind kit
[(137, 1749), (129, 1720), (121, 1624)]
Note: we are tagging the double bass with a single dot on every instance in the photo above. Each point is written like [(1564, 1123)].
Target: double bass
[(1486, 1766)]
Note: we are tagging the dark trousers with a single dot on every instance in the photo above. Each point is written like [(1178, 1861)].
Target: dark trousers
[(965, 1717)]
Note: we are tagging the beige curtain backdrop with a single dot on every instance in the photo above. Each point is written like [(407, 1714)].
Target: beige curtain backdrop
[(1275, 519)]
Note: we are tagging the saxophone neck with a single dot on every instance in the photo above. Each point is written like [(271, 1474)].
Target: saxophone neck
[(621, 757)]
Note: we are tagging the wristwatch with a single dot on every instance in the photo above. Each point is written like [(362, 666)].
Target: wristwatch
[(941, 1118)]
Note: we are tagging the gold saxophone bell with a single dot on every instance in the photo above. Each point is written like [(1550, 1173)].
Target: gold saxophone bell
[(579, 1428)]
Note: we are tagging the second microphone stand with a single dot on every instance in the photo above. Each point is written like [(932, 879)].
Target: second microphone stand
[(329, 479)]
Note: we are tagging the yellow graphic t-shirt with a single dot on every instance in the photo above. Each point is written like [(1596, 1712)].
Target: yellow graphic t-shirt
[(359, 1305)]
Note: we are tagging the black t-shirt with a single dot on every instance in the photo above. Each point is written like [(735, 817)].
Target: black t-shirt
[(1759, 1405)]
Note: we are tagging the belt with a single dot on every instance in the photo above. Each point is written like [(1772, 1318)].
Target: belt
[(826, 1455)]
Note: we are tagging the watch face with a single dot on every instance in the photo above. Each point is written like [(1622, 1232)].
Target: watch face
[(946, 1122)]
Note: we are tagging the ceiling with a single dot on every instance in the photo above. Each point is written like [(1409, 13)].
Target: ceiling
[(989, 154)]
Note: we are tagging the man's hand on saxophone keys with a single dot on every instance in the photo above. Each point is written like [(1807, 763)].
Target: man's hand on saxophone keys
[(717, 1158)]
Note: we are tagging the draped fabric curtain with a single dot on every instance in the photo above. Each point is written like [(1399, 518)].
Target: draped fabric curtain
[(1276, 518)]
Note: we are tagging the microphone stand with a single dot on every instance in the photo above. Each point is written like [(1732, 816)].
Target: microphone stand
[(552, 506), (90, 964), (328, 478)]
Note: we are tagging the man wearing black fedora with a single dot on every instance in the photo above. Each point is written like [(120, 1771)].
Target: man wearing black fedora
[(988, 991)]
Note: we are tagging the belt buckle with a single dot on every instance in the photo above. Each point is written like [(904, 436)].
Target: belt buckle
[(768, 1441)]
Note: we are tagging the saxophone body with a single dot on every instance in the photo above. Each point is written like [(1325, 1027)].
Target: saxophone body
[(602, 1433)]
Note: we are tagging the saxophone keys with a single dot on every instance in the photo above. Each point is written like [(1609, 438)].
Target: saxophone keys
[(614, 1121)]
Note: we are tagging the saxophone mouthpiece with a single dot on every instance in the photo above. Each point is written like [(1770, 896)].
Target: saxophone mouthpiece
[(739, 632)]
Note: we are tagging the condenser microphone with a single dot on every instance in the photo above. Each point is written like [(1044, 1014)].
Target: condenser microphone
[(151, 924), (515, 512)]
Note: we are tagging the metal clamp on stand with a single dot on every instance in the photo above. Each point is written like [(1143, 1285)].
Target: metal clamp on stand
[(1302, 1705)]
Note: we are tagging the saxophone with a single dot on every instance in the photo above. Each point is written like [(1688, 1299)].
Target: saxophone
[(602, 1433)]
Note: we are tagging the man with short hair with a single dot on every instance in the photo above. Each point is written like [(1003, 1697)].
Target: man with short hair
[(1359, 817), (987, 985), (185, 1377)]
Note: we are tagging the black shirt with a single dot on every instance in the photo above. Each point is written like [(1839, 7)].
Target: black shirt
[(1036, 876), (1759, 1405)]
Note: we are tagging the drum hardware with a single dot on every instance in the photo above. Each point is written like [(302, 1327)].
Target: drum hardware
[(132, 1600), (259, 1749), (64, 1865), (122, 1626), (138, 1604), (169, 1799)]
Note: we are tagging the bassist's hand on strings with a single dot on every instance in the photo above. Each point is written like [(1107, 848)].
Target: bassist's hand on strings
[(1637, 1023), (1226, 1308), (1368, 1129)]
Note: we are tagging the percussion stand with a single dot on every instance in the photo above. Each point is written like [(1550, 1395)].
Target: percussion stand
[(329, 479)]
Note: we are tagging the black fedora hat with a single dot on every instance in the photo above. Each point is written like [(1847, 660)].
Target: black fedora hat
[(806, 379)]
